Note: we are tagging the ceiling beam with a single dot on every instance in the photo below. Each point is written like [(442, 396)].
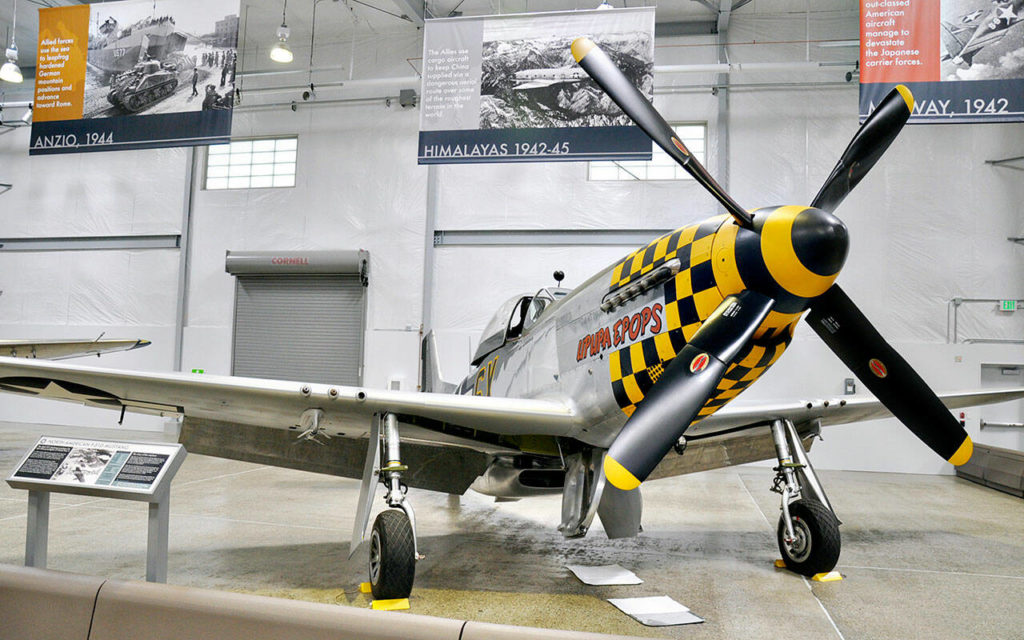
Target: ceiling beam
[(722, 5), (685, 28), (724, 13), (415, 11)]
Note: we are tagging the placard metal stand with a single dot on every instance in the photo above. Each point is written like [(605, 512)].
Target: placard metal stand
[(120, 470)]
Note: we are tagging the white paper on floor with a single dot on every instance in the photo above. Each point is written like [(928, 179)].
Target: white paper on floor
[(604, 575), (655, 611)]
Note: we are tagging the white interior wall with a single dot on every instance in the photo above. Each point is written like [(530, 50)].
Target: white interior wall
[(929, 223), (81, 294)]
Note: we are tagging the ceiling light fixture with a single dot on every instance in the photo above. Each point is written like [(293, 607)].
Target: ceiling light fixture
[(281, 53), (10, 71)]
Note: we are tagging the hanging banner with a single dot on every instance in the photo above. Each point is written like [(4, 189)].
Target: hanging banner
[(962, 59), (137, 74), (507, 89)]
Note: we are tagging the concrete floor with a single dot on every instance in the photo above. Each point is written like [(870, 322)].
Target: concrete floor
[(923, 556)]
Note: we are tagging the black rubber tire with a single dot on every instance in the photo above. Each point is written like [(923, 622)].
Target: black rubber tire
[(392, 556), (816, 549)]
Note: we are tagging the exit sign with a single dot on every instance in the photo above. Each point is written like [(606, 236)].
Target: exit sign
[(1008, 305)]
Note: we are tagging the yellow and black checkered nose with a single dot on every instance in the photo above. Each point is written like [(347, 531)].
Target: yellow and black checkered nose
[(803, 249)]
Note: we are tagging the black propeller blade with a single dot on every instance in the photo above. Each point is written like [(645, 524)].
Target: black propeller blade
[(689, 380), (886, 374), (866, 147), (615, 83)]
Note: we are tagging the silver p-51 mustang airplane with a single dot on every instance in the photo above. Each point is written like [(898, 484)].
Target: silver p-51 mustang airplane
[(589, 392)]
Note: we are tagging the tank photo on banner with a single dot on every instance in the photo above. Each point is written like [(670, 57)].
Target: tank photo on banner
[(135, 74), (962, 59), (507, 88)]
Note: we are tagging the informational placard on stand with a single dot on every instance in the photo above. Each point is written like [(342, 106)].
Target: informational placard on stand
[(962, 59), (122, 470), (507, 89), (134, 74), (128, 470)]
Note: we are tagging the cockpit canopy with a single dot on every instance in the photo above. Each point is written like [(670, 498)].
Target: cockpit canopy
[(515, 316)]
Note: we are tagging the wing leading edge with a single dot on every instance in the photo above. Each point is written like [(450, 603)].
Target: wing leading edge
[(277, 403), (842, 410), (61, 349)]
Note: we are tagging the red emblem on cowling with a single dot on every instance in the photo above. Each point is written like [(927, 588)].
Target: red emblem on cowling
[(679, 145), (699, 363), (878, 368)]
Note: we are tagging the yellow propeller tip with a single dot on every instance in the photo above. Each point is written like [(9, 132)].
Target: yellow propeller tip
[(963, 454), (581, 47), (908, 97), (618, 475)]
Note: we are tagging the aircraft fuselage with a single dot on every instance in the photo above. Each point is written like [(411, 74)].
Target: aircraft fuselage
[(602, 347)]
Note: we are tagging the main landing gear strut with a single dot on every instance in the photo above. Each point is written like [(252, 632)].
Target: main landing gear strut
[(808, 532), (393, 549)]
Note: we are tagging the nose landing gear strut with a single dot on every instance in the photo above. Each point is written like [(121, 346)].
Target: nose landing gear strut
[(808, 531)]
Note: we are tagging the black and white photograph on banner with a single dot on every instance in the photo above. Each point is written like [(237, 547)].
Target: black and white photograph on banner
[(529, 78), (982, 39), (160, 56), (83, 465), (507, 88)]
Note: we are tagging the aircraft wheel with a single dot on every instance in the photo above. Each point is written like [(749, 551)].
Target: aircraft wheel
[(816, 548), (392, 556)]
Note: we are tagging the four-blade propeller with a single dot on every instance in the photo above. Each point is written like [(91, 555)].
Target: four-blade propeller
[(677, 397)]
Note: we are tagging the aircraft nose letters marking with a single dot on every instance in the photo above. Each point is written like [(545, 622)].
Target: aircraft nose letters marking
[(484, 376), (699, 363), (877, 367), (626, 330)]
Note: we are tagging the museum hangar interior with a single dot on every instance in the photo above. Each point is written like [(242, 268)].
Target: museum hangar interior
[(140, 244)]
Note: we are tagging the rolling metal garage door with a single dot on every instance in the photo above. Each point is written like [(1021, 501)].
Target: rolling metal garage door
[(299, 315)]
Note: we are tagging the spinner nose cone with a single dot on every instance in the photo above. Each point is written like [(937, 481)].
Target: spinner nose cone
[(820, 241), (804, 249)]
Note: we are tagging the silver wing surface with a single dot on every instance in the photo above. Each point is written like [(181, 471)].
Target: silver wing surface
[(279, 404), (61, 349), (841, 410), (258, 420), (448, 440), (741, 434)]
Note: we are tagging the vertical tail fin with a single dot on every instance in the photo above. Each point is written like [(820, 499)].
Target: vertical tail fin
[(430, 367)]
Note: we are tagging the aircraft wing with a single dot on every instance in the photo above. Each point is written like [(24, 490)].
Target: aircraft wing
[(953, 39), (536, 84), (841, 410), (279, 404), (61, 349), (740, 434)]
